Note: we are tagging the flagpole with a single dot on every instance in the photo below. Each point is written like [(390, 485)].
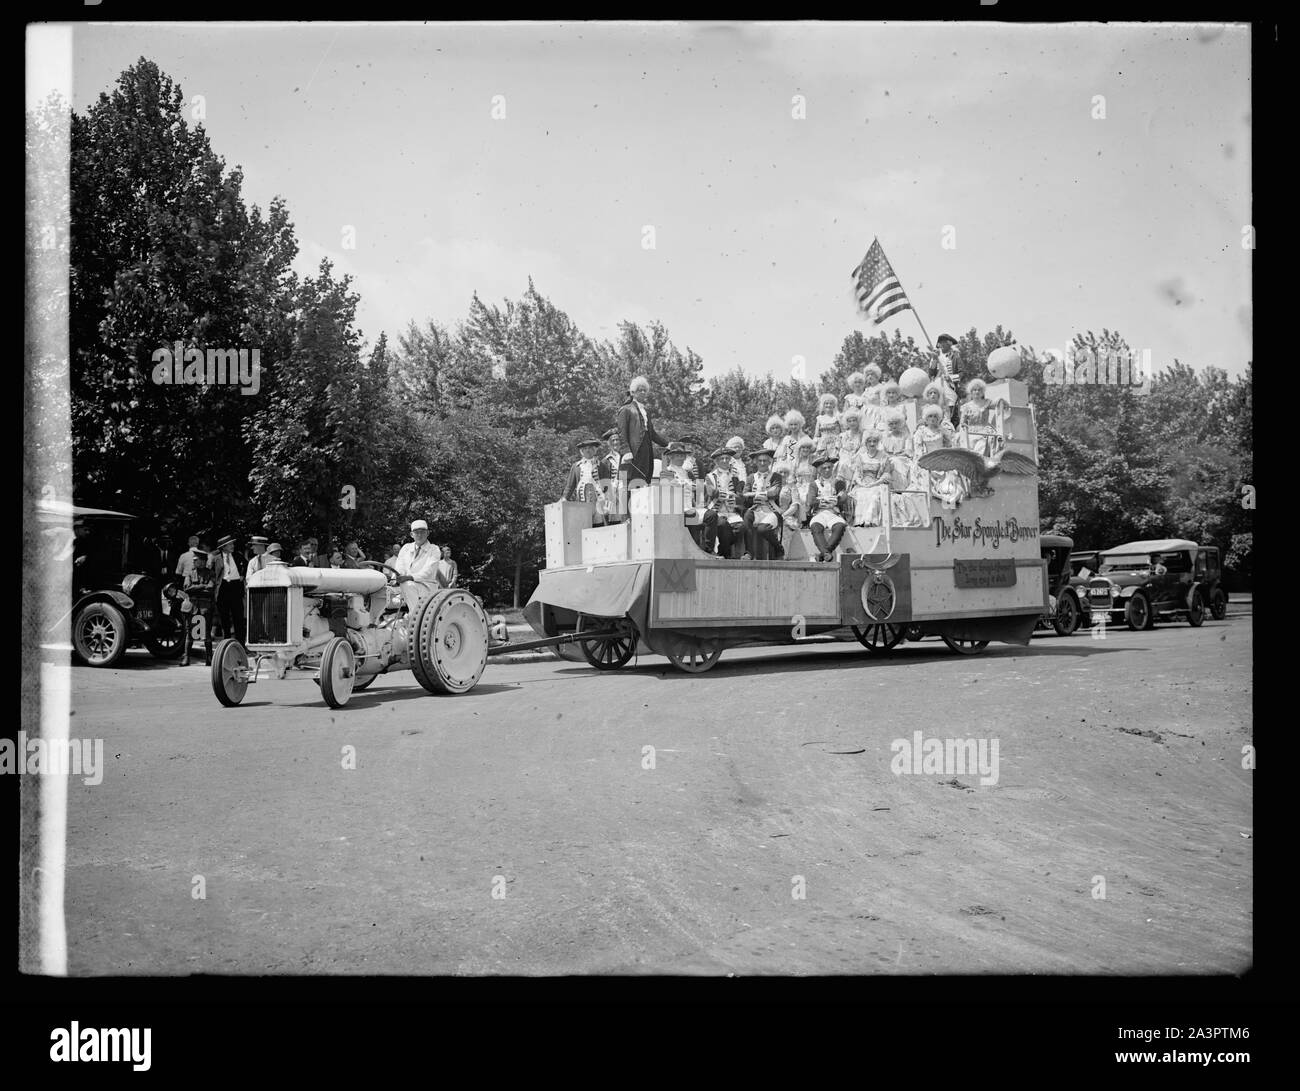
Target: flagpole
[(915, 313)]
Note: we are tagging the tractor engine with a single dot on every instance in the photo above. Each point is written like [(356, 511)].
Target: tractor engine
[(296, 610)]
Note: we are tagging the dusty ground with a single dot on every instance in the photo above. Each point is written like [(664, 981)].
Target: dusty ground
[(1119, 759)]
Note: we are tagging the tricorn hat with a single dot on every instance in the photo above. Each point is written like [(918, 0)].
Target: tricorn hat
[(609, 434), (824, 459), (723, 451), (588, 442), (677, 447)]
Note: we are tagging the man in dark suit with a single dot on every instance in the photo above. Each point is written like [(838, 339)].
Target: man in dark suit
[(228, 575), (306, 555), (636, 432)]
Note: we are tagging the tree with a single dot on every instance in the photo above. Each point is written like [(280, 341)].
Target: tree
[(163, 250)]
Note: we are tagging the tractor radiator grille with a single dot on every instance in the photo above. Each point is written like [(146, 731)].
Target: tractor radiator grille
[(268, 615)]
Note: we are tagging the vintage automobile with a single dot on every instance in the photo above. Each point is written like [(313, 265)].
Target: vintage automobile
[(343, 629), (969, 576), (1064, 613), (115, 603), (1164, 579)]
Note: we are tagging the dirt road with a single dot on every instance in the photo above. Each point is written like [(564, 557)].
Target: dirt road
[(526, 828)]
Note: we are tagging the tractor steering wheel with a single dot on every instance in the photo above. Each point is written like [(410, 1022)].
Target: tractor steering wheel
[(391, 572)]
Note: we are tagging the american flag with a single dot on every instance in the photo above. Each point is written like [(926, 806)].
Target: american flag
[(878, 291)]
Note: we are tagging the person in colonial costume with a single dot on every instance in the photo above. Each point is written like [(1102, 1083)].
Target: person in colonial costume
[(723, 493), (827, 501), (981, 420), (828, 408), (692, 492), (794, 493), (850, 440), (857, 395), (590, 476), (736, 446), (891, 395), (930, 435), (803, 455), (786, 451), (694, 463), (775, 430), (613, 457), (828, 438), (870, 481), (936, 393), (897, 444), (637, 434), (762, 521), (873, 412)]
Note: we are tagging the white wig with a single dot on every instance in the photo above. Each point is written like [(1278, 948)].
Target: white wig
[(774, 422), (872, 369), (794, 417)]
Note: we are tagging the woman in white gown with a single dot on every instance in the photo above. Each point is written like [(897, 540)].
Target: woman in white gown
[(869, 482)]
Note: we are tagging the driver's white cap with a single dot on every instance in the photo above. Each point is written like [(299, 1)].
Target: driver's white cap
[(419, 524)]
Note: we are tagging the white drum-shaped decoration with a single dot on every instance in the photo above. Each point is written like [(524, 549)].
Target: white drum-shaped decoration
[(913, 382), (1005, 363)]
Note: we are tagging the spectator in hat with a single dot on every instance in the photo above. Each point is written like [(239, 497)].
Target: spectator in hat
[(274, 554), (228, 574), (636, 433), (417, 566), (257, 543), (201, 592)]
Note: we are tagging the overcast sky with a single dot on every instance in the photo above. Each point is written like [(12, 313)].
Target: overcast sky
[(1063, 222)]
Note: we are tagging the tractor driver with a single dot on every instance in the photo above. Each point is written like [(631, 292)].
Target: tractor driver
[(417, 566)]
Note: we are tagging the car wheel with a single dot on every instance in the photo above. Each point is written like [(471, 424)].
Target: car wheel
[(1138, 613), (166, 641), (1218, 604), (1196, 612), (99, 635), (1066, 620)]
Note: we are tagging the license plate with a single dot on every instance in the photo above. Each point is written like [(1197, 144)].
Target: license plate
[(145, 614)]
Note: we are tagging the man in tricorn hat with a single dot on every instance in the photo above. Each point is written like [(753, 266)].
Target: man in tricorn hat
[(723, 493), (589, 477), (692, 493), (762, 521)]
